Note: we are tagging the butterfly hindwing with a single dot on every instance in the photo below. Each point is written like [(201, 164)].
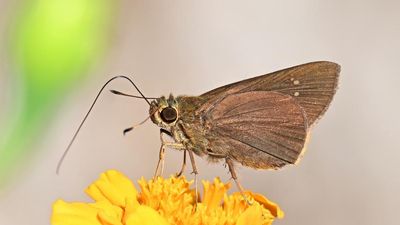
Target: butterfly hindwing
[(268, 127)]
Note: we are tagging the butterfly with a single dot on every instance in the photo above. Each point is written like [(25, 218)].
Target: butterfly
[(261, 122)]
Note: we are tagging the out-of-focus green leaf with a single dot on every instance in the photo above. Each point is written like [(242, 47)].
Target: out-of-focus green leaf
[(53, 44)]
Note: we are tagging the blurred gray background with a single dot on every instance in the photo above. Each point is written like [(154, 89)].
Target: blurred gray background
[(350, 174)]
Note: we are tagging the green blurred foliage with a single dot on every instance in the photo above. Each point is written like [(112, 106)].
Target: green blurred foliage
[(53, 44)]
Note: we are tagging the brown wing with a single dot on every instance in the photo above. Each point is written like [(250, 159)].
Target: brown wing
[(312, 85), (259, 129)]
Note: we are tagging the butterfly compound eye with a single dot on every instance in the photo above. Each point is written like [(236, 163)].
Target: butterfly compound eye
[(168, 114)]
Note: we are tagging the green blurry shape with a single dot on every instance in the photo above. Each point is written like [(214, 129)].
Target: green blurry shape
[(53, 45)]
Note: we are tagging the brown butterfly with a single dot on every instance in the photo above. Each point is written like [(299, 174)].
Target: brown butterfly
[(262, 122)]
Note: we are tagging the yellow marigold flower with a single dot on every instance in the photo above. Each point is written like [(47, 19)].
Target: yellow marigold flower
[(163, 202)]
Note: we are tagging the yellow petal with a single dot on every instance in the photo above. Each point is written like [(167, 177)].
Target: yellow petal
[(253, 214), (234, 205), (110, 216), (131, 206), (214, 193), (73, 214), (114, 187), (77, 213), (144, 215), (271, 206)]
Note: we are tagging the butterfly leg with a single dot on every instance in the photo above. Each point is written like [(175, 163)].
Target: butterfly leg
[(160, 164), (195, 172), (183, 164), (231, 167)]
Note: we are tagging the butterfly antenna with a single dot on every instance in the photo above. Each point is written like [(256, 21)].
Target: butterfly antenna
[(87, 114), (128, 95)]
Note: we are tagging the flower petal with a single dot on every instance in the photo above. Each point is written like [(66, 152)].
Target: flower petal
[(271, 206), (112, 186), (253, 214), (84, 213), (144, 215), (214, 193)]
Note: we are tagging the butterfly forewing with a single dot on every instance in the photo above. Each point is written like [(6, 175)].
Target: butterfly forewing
[(260, 129), (312, 85)]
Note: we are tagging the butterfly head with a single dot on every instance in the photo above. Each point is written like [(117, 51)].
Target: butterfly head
[(164, 111)]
